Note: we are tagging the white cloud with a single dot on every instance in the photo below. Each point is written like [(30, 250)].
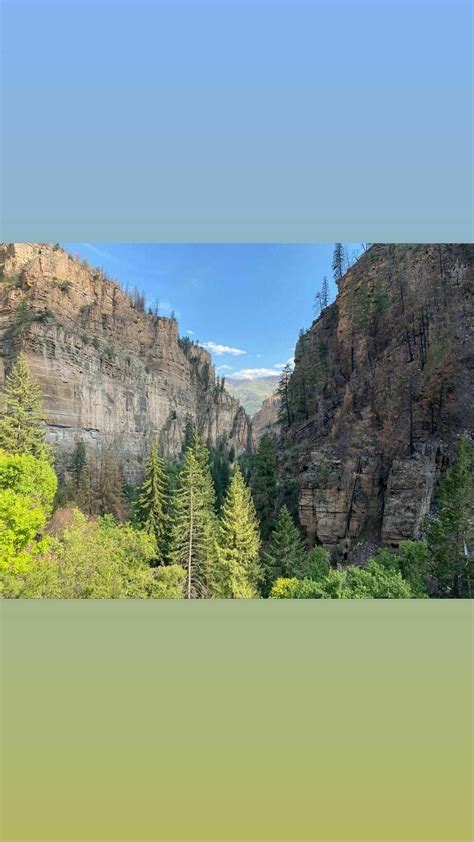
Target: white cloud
[(225, 368), (280, 366), (254, 373), (218, 350), (190, 332)]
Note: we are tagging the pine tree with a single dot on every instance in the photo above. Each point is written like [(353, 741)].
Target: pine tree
[(108, 487), (283, 391), (193, 521), (324, 294), (264, 483), (451, 532), (22, 424), (78, 462), (237, 571), (151, 504), (338, 262), (286, 556)]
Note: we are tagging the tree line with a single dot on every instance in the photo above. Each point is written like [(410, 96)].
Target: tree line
[(209, 526)]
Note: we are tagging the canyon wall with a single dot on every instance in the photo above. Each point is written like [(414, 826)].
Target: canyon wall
[(381, 391), (111, 374)]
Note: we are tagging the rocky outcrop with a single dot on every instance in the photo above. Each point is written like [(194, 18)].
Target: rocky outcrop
[(111, 373), (381, 392), (266, 419)]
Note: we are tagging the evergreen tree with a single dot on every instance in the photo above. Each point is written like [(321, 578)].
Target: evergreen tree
[(78, 462), (338, 262), (283, 391), (450, 533), (22, 426), (286, 556), (264, 483), (324, 294), (151, 506), (237, 571), (193, 523)]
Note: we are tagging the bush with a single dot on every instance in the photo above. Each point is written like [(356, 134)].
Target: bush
[(370, 582)]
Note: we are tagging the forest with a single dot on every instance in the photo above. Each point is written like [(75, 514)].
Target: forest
[(208, 525)]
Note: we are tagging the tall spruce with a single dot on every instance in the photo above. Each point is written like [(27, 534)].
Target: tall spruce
[(325, 293), (338, 261), (151, 505), (283, 390), (193, 521), (22, 424), (78, 462), (285, 556), (451, 532), (237, 572), (264, 478)]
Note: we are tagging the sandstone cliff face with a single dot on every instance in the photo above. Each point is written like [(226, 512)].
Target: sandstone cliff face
[(381, 391), (110, 374), (266, 419)]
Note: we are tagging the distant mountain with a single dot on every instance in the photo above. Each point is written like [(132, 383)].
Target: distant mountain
[(252, 393)]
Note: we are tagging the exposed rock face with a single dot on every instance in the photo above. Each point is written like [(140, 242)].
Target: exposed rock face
[(381, 391), (266, 419), (110, 373)]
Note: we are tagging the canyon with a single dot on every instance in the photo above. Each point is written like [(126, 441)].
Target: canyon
[(111, 374)]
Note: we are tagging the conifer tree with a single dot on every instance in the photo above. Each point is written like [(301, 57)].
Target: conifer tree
[(338, 262), (286, 555), (22, 426), (283, 391), (451, 532), (78, 462), (193, 521), (151, 504), (264, 483), (237, 573), (324, 294)]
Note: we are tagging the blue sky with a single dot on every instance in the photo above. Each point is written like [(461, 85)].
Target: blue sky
[(245, 303)]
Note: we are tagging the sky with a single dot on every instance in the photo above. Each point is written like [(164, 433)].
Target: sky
[(245, 303)]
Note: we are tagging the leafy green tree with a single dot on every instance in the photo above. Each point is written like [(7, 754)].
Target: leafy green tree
[(316, 564), (237, 571), (450, 533), (220, 472), (371, 582), (27, 489), (412, 560), (264, 476), (151, 506), (285, 556), (22, 425), (338, 261), (98, 559), (193, 521)]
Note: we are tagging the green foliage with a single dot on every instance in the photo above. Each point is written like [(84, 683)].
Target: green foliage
[(93, 560), (338, 261), (285, 414), (219, 461), (193, 522), (264, 483), (412, 561), (450, 533), (317, 564), (22, 428), (285, 556), (236, 573), (78, 462), (371, 582), (151, 506), (27, 488)]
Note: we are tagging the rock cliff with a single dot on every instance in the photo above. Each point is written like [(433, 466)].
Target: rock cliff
[(381, 391), (111, 373), (266, 419)]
